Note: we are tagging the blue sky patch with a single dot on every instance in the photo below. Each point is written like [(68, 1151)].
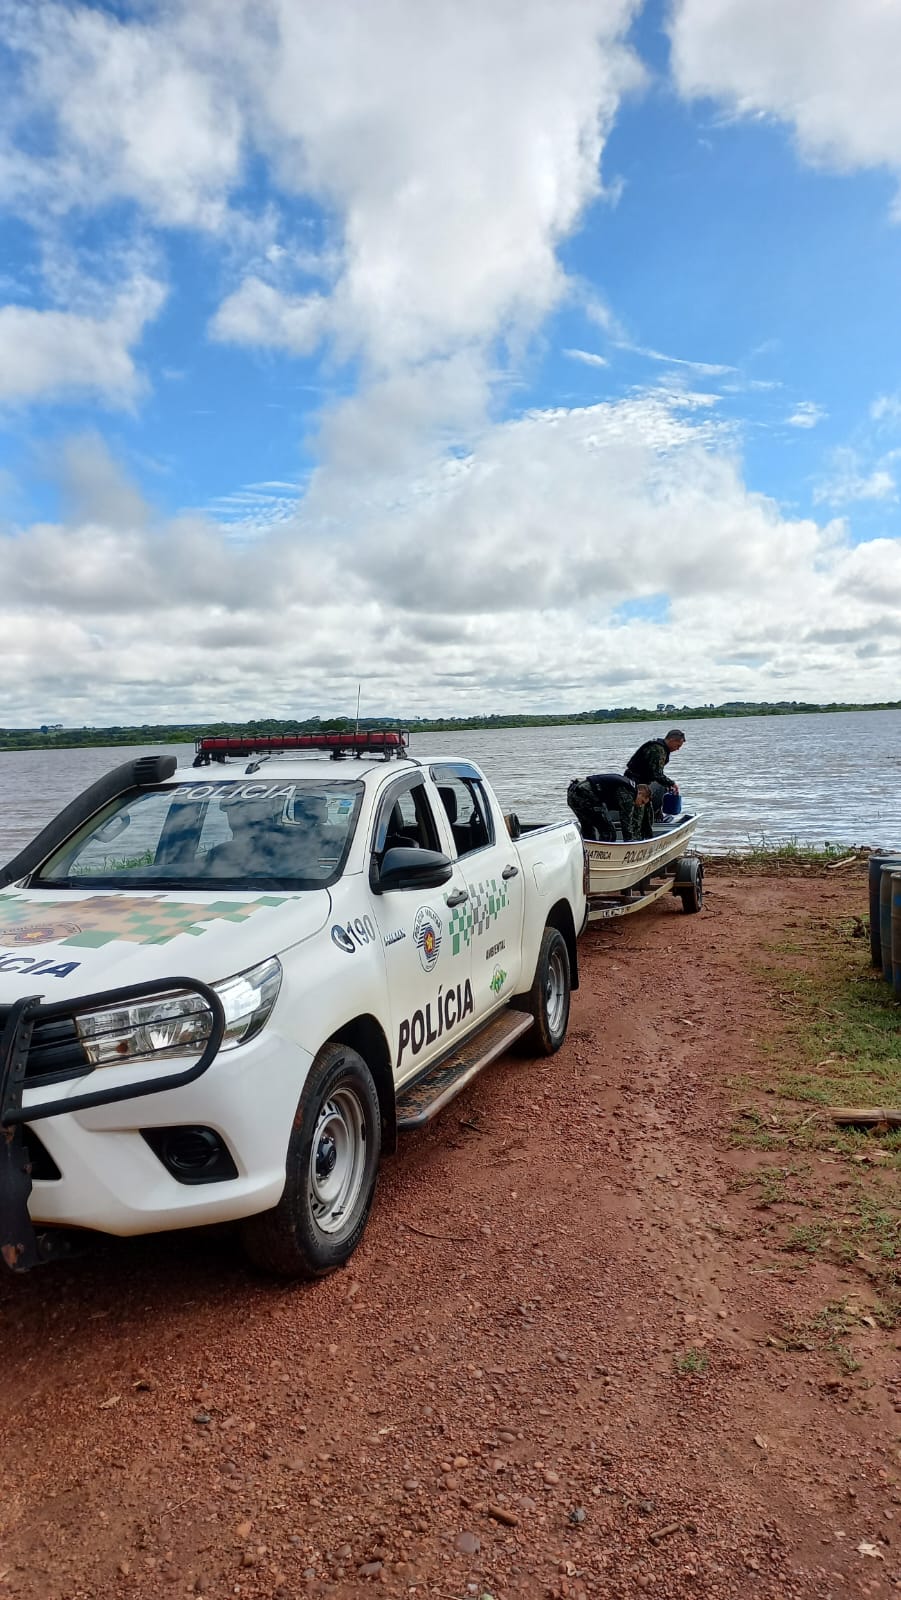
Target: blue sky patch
[(397, 346)]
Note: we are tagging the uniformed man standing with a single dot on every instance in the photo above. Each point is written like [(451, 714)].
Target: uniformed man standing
[(648, 763)]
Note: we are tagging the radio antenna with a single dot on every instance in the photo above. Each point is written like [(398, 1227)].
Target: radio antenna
[(357, 728)]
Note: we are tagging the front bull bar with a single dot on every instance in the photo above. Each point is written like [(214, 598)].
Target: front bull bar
[(22, 1246)]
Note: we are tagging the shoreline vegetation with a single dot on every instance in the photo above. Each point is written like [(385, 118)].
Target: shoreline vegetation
[(789, 858), (54, 736)]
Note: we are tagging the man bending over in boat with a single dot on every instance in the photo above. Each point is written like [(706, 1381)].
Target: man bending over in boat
[(607, 797), (648, 763)]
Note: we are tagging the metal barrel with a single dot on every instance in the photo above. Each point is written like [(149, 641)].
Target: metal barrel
[(896, 933), (877, 863), (885, 917)]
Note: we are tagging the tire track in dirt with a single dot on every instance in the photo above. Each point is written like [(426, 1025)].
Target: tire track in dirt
[(170, 1425)]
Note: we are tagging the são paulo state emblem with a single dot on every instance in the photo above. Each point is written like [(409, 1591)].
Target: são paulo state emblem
[(427, 936)]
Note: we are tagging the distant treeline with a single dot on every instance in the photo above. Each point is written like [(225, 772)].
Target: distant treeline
[(50, 737)]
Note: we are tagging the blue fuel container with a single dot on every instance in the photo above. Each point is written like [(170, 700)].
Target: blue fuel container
[(672, 804)]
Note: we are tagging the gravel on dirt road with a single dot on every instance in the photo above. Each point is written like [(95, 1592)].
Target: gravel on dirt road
[(546, 1372)]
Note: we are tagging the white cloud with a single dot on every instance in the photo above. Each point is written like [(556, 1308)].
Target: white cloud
[(827, 68), (704, 369), (455, 145), (47, 354), (886, 409), (394, 424), (487, 582), (446, 150), (135, 111), (851, 480), (589, 357), (258, 314), (597, 310), (444, 153), (806, 415)]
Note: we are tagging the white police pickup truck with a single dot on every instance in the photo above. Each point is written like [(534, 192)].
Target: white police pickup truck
[(223, 991)]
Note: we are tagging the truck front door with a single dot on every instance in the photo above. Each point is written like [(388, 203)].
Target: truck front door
[(430, 992), (489, 923)]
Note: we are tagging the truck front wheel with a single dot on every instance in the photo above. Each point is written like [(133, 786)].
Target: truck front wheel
[(330, 1172), (549, 996)]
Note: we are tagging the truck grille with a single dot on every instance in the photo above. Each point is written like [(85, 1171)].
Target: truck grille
[(55, 1052)]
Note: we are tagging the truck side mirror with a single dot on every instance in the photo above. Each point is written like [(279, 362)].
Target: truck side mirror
[(409, 868)]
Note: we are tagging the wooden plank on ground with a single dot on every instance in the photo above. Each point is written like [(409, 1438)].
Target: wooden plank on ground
[(864, 1116)]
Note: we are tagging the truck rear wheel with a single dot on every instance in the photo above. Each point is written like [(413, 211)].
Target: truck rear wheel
[(549, 997), (330, 1172)]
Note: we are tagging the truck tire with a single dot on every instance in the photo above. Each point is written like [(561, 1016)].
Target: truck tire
[(330, 1172), (549, 997)]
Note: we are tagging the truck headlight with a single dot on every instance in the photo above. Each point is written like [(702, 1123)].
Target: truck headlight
[(247, 1000), (180, 1023)]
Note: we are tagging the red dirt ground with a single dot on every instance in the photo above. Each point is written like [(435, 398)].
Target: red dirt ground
[(538, 1262)]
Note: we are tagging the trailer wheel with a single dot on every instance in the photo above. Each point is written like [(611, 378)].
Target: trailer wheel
[(549, 997), (330, 1172), (689, 884)]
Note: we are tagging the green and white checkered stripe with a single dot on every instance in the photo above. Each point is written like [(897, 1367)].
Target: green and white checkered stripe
[(475, 916)]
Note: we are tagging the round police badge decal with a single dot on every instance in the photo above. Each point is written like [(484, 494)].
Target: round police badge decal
[(427, 936), (38, 932)]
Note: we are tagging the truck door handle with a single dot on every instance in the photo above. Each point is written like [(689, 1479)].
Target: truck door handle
[(457, 898), (509, 872)]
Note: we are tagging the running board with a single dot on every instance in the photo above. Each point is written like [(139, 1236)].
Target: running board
[(422, 1100)]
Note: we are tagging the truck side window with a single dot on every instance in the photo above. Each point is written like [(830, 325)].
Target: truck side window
[(406, 820), (468, 813)]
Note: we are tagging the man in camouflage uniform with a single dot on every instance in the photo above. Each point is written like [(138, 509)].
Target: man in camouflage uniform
[(607, 797), (648, 763)]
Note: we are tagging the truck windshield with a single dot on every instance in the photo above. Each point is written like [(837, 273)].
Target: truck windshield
[(211, 835)]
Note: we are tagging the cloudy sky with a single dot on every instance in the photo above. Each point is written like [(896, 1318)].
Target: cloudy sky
[(495, 354)]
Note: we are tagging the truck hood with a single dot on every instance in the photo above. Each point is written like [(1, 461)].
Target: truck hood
[(62, 944)]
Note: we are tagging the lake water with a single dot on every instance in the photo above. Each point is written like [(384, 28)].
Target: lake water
[(833, 777)]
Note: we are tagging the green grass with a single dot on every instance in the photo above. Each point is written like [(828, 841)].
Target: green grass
[(878, 1224), (116, 864), (775, 1186), (763, 854), (691, 1363), (843, 1029), (832, 1330), (862, 1228), (807, 1239), (833, 1038), (793, 849)]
